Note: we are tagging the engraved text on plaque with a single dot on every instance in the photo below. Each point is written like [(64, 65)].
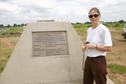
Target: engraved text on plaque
[(48, 43)]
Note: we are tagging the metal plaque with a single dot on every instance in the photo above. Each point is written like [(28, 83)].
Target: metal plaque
[(49, 43)]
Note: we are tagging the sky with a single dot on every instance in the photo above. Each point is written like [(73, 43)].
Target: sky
[(25, 11)]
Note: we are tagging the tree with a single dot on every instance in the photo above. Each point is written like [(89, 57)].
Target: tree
[(121, 21), (1, 25), (87, 22), (8, 25), (78, 23), (25, 25), (19, 25), (22, 25), (15, 25)]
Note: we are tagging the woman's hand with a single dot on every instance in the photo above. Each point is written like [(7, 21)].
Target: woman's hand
[(83, 48), (91, 46)]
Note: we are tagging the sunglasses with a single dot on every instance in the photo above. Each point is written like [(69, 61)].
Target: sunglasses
[(95, 15)]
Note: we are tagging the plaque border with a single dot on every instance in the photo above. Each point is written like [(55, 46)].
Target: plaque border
[(50, 31)]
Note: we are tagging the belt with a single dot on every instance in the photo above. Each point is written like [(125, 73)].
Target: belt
[(100, 56)]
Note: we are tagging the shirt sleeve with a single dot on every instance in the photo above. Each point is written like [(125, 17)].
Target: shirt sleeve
[(107, 38)]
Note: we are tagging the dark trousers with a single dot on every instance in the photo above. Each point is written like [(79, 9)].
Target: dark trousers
[(95, 69)]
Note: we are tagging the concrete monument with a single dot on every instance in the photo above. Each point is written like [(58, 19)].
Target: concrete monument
[(46, 53)]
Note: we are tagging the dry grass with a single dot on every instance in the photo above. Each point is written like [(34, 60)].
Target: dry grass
[(6, 46)]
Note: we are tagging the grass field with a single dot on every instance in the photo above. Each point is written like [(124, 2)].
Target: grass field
[(116, 59)]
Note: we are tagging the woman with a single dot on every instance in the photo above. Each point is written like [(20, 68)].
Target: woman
[(98, 43)]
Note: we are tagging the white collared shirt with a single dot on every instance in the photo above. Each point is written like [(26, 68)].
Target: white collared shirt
[(100, 36)]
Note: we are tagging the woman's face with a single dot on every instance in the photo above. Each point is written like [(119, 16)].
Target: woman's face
[(94, 17)]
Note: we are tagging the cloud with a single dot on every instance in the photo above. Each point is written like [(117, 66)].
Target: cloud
[(65, 10), (8, 7), (115, 12), (105, 3), (4, 0)]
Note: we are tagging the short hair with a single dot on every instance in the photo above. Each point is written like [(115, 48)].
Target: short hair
[(95, 9)]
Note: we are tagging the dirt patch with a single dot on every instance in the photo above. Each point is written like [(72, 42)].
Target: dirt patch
[(117, 55), (118, 78), (8, 42)]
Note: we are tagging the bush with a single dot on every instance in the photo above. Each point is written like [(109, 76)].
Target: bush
[(12, 31)]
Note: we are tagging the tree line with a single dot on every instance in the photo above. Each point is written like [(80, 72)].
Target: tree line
[(120, 21), (14, 25), (114, 24)]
